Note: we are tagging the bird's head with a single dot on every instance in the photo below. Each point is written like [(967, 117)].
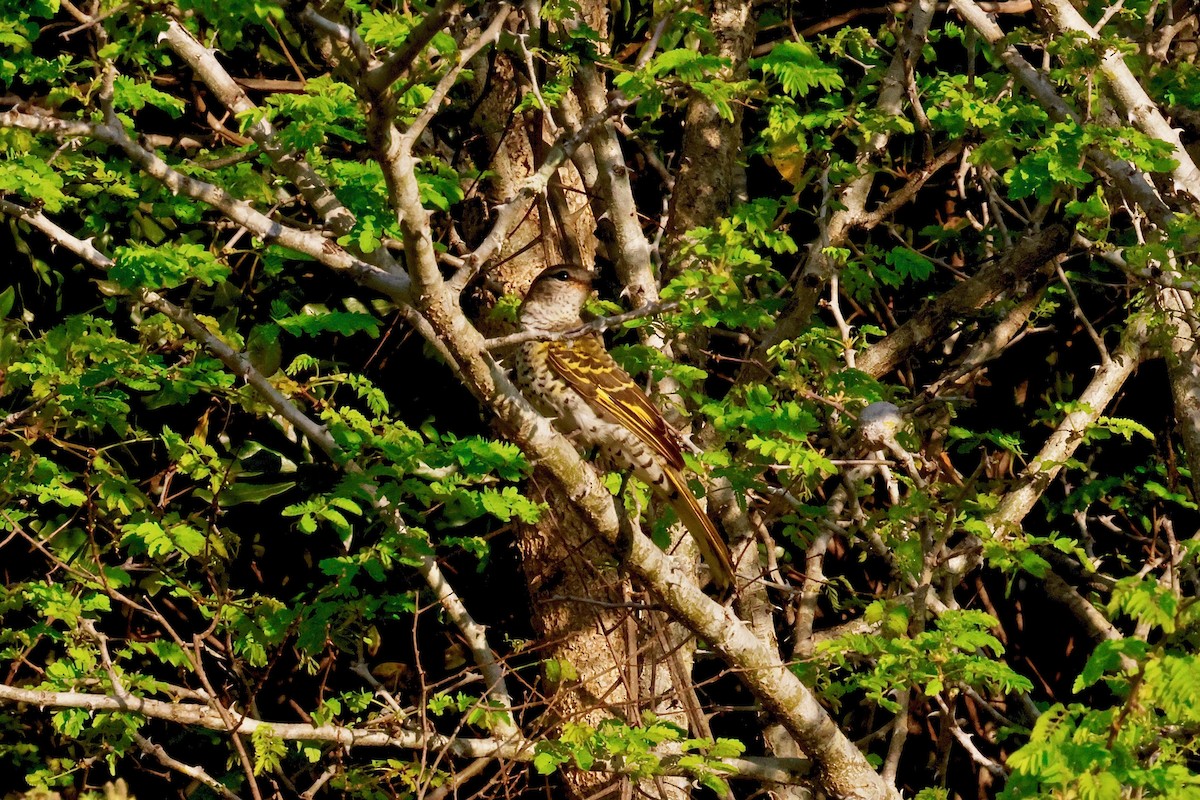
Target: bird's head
[(555, 299)]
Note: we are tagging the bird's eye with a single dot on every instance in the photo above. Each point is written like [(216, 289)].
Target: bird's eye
[(562, 275)]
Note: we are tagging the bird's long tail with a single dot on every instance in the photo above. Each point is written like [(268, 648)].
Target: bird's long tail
[(712, 546)]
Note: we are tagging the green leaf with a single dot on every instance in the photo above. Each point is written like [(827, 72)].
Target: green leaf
[(909, 264), (545, 763), (165, 267), (33, 180), (128, 94), (7, 298), (798, 68), (243, 492), (316, 319), (1107, 659)]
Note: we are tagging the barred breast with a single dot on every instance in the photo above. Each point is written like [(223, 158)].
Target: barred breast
[(572, 415)]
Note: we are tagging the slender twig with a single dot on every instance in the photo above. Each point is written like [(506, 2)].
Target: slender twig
[(16, 416), (204, 63), (595, 326), (459, 778), (898, 198), (231, 724), (967, 744), (188, 770), (315, 786), (309, 243), (899, 735), (1080, 315), (433, 105), (345, 34), (88, 626), (835, 308), (86, 22)]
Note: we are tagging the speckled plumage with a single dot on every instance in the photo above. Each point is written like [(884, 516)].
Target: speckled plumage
[(577, 382)]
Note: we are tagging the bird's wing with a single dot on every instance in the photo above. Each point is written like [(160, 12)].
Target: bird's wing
[(591, 371), (713, 548)]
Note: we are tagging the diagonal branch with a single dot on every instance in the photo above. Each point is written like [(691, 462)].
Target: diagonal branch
[(1069, 433), (193, 772), (1049, 461), (204, 63), (1131, 182), (1020, 264), (851, 199), (433, 105), (533, 186), (309, 243), (379, 78), (1140, 109), (345, 34), (239, 363)]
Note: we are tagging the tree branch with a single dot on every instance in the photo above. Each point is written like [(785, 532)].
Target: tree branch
[(533, 186), (1031, 254), (631, 255), (380, 78), (489, 35), (195, 773), (240, 364), (852, 198), (202, 716), (1126, 176), (1138, 106), (310, 243), (204, 63)]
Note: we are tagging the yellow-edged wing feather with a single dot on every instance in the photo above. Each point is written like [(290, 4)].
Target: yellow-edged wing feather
[(712, 546), (591, 371)]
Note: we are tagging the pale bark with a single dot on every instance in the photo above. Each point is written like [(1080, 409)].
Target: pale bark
[(311, 243), (1128, 179), (1033, 481), (705, 180), (1068, 434), (204, 63), (1178, 324), (852, 198), (631, 251), (195, 714), (1137, 105)]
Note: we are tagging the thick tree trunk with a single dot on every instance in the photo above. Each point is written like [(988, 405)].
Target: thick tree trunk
[(607, 661)]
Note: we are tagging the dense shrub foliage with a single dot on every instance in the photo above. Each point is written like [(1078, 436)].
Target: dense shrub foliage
[(917, 283)]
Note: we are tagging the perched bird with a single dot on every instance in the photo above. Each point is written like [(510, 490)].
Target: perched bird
[(578, 383)]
